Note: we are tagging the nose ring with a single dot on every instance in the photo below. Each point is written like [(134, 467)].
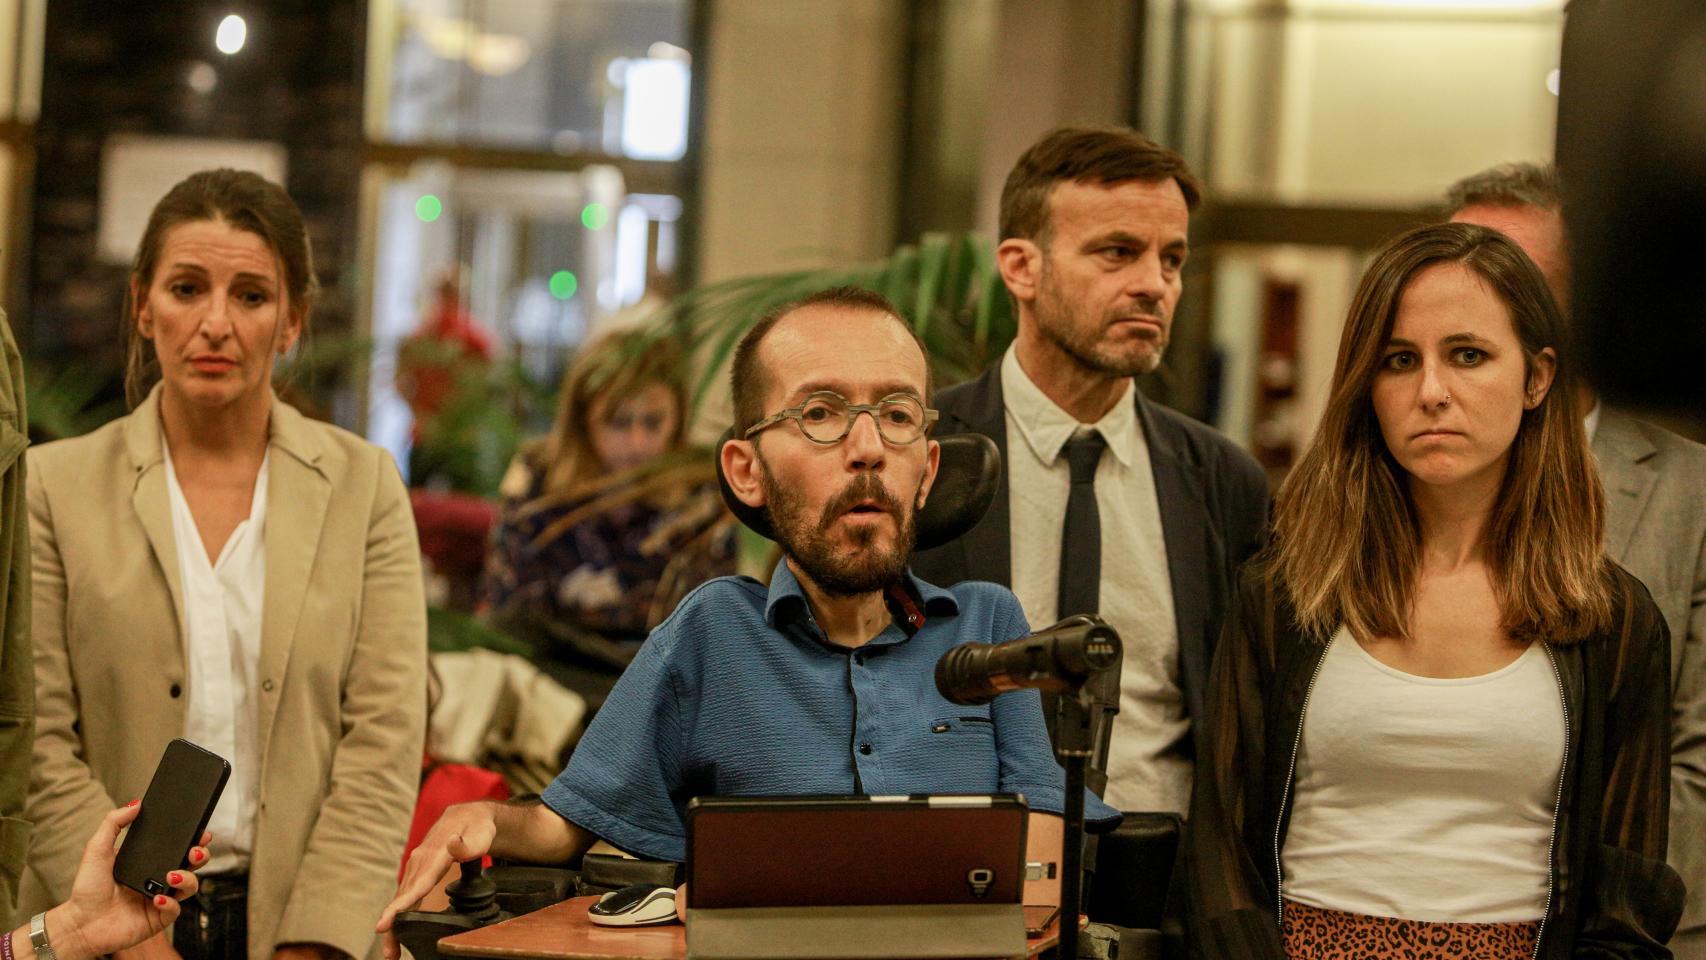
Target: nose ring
[(1445, 401)]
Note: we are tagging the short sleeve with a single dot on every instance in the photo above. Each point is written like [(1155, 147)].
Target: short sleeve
[(1022, 746), (623, 780)]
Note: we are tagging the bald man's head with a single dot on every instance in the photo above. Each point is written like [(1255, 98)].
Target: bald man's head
[(751, 380), (1520, 200)]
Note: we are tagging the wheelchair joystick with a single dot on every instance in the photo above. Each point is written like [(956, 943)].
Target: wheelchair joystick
[(473, 904), (474, 895)]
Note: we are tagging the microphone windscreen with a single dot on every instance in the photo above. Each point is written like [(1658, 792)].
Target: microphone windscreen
[(962, 676)]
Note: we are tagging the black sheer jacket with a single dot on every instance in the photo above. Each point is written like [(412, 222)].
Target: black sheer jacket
[(1612, 894)]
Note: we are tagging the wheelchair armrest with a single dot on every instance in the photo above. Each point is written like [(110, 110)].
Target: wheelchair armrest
[(524, 889), (1133, 871), (603, 872)]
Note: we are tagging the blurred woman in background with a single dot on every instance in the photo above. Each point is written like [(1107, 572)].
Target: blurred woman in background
[(1438, 723), (216, 566), (607, 521)]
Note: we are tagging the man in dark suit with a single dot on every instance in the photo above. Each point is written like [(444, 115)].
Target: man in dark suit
[(1655, 517), (1111, 504)]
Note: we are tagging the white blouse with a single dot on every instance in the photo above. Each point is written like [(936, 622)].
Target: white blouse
[(222, 648), (1425, 798)]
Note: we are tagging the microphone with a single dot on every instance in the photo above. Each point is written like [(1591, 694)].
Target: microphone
[(1057, 659)]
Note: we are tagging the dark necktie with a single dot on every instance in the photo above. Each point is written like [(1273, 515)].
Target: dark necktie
[(1081, 537)]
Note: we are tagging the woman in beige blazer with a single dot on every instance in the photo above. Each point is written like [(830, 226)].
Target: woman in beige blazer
[(173, 597)]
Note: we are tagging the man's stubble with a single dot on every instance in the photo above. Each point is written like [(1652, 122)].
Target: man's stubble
[(1058, 323), (807, 542)]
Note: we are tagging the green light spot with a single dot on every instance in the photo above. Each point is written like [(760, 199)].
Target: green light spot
[(564, 284), (428, 208), (594, 216)]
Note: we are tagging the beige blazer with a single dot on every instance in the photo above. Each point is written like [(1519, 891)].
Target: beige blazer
[(342, 668), (1655, 491)]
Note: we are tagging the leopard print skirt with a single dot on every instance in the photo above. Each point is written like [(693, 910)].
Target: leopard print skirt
[(1315, 934)]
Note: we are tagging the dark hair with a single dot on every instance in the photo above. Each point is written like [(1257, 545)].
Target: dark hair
[(748, 381), (1101, 155), (246, 201), (1544, 539), (1506, 185)]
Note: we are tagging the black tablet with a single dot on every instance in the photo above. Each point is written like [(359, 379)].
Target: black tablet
[(855, 850)]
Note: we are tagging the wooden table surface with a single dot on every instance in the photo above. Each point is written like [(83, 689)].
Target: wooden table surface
[(563, 931)]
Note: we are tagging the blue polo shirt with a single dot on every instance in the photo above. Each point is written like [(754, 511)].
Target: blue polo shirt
[(739, 693)]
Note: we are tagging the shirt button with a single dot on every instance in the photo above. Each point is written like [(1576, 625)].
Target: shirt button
[(865, 749), (176, 691), (266, 685)]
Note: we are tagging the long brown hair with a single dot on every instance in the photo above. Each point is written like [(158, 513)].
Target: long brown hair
[(1346, 537), (613, 368), (246, 201)]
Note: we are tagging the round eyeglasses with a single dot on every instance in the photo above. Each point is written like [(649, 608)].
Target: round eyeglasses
[(826, 417)]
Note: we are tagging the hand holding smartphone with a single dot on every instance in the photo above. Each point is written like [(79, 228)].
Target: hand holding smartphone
[(175, 811)]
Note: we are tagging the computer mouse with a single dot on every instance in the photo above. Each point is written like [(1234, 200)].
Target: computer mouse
[(639, 905)]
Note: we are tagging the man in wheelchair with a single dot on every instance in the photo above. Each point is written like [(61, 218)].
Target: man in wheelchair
[(820, 683)]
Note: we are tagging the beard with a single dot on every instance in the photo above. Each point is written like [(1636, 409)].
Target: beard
[(865, 568), (1060, 323)]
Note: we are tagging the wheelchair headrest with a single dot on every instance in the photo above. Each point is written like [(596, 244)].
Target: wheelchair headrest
[(965, 485)]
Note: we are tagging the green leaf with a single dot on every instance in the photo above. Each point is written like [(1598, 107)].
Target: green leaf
[(64, 401), (947, 288), (452, 632), (932, 266)]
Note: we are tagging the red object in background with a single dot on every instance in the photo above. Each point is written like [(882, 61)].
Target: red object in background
[(453, 528), (443, 784), (426, 384)]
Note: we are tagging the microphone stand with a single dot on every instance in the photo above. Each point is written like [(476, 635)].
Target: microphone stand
[(1073, 745), (1072, 652)]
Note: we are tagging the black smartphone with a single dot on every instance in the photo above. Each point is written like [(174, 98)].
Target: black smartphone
[(175, 811)]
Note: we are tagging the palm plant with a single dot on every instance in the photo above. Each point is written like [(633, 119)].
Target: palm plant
[(947, 286), (71, 399)]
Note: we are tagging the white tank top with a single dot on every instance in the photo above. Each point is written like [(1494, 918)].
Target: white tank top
[(1423, 798)]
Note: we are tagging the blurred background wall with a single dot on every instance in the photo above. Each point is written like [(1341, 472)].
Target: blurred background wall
[(574, 163)]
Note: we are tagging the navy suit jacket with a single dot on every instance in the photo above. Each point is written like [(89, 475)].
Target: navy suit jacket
[(1214, 514)]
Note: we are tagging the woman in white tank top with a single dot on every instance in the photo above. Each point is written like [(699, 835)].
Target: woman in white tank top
[(1437, 724)]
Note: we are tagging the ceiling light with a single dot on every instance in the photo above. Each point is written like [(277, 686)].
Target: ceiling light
[(231, 34)]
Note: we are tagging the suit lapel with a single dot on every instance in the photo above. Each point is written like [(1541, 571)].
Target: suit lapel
[(297, 496), (1189, 539), (152, 502), (151, 499), (987, 546), (1626, 470)]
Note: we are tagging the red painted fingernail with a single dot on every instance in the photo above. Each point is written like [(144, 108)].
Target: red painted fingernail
[(197, 855), (160, 901), (174, 878), (133, 803)]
